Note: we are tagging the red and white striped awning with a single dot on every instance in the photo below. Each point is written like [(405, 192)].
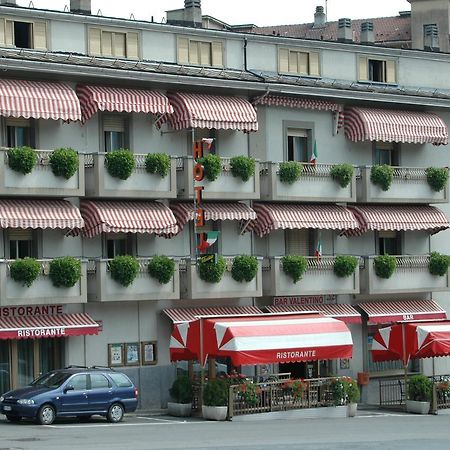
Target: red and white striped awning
[(394, 311), (274, 216), (39, 214), (398, 218), (344, 312), (102, 216), (108, 98), (370, 124), (210, 111), (38, 100), (184, 211), (32, 327), (179, 315)]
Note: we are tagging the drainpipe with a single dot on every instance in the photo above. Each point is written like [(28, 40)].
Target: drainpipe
[(245, 64)]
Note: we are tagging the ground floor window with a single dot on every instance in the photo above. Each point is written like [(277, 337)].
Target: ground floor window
[(311, 369)]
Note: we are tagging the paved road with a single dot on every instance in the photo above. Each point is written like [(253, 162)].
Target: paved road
[(368, 431)]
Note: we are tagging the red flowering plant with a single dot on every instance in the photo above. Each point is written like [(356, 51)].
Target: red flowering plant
[(443, 390), (249, 392), (296, 388)]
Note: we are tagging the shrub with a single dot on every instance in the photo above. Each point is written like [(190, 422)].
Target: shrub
[(294, 266), (437, 177), (22, 159), (64, 162), (120, 163), (65, 272), (248, 393), (342, 173), (215, 393), (162, 268), (157, 163), (382, 176), (25, 270), (385, 265), (338, 391), (290, 171), (344, 266), (242, 166), (212, 166), (438, 264), (181, 390), (244, 268), (353, 393), (419, 388), (124, 269), (210, 271)]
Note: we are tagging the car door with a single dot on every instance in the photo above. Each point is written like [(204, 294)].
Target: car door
[(100, 393), (74, 397)]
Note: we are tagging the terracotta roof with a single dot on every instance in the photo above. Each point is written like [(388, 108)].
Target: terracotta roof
[(386, 30)]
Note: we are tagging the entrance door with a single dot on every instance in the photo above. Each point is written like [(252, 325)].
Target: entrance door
[(5, 372)]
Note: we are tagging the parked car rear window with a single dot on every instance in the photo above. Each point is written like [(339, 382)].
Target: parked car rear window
[(51, 379), (121, 380)]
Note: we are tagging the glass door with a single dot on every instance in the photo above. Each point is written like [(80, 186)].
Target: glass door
[(25, 362), (5, 357)]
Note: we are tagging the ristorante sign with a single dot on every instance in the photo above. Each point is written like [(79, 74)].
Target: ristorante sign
[(41, 310)]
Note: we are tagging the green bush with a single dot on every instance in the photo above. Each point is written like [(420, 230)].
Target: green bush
[(124, 269), (344, 390), (162, 268), (64, 162), (244, 268), (294, 266), (342, 173), (120, 163), (181, 390), (437, 177), (210, 271), (215, 393), (382, 176), (242, 166), (212, 166), (22, 159), (65, 272), (290, 171), (25, 270), (158, 163), (438, 264), (420, 388), (385, 265), (352, 389), (344, 265)]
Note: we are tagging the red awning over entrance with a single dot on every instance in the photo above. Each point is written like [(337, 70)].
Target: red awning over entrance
[(33, 327)]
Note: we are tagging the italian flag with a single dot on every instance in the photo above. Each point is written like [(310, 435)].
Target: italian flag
[(318, 252), (314, 155)]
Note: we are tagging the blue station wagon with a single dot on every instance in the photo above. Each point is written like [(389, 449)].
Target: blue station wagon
[(74, 391)]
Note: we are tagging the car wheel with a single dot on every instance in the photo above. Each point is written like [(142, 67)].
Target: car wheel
[(13, 418), (46, 415), (115, 413)]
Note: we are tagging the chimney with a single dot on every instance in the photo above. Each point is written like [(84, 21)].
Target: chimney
[(320, 19), (8, 3), (367, 36), (80, 7), (193, 13), (345, 32), (431, 37)]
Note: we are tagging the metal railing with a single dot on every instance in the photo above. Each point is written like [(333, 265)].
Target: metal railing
[(308, 169)]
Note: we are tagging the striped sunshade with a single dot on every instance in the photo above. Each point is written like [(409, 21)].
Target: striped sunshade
[(370, 124), (178, 315)]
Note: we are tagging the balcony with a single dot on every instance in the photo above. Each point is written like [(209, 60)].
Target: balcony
[(42, 291), (41, 181), (319, 279), (102, 288), (140, 185), (193, 287), (315, 185), (409, 185), (226, 187), (410, 276)]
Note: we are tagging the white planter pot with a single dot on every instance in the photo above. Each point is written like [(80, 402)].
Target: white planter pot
[(413, 406), (179, 409), (215, 412), (351, 409)]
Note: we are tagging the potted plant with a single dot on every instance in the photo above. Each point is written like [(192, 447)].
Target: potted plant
[(25, 270), (382, 176), (212, 166), (437, 177), (290, 171), (420, 389), (162, 268), (353, 395), (342, 173), (338, 390), (438, 264), (65, 272), (215, 400), (124, 269), (243, 167), (344, 265), (384, 265), (157, 163), (64, 162), (22, 159), (182, 394), (294, 266), (244, 268), (120, 163), (210, 271)]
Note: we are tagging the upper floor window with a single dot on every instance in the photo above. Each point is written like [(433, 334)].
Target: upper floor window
[(298, 241), (115, 132), (378, 70), (203, 53), (298, 62), (386, 153), (389, 243), (23, 34), (113, 43), (117, 244), (19, 133), (297, 145), (22, 243)]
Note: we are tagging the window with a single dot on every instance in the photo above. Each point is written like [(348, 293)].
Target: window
[(22, 243), (23, 34), (117, 244), (377, 70), (99, 381), (386, 153), (19, 132), (79, 382), (297, 145), (115, 134), (298, 62), (204, 133), (389, 243), (112, 43), (201, 53), (298, 242)]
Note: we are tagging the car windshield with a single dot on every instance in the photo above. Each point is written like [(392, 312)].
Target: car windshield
[(51, 379)]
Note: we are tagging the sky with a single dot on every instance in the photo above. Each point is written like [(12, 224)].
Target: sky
[(234, 12)]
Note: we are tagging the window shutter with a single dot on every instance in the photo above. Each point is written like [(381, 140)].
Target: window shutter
[(303, 63), (133, 45), (2, 31), (217, 54), (40, 36), (114, 122), (18, 122), (298, 242), (293, 64), (314, 64), (362, 69), (183, 51), (19, 234), (283, 60), (9, 32), (107, 43), (205, 53), (194, 57), (390, 72), (119, 41), (95, 41)]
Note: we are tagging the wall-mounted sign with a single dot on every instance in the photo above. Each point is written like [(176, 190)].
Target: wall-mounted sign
[(38, 310), (306, 300)]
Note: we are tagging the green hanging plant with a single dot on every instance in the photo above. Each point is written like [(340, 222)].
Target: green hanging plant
[(162, 268), (65, 272), (438, 264), (385, 265), (294, 266), (344, 265), (437, 177), (244, 268), (120, 163), (290, 171), (210, 271), (342, 173), (22, 159), (382, 175), (158, 163), (64, 162), (124, 269), (243, 167), (212, 166), (25, 270)]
